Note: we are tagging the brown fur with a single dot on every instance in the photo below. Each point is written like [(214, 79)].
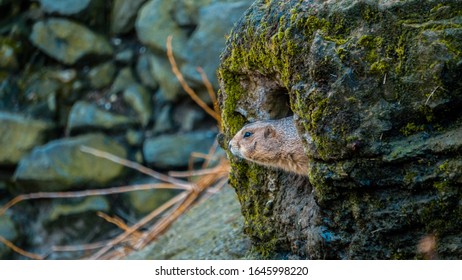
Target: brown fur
[(273, 143)]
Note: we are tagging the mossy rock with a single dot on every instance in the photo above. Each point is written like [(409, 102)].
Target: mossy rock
[(375, 88)]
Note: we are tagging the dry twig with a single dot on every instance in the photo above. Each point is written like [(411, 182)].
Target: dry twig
[(85, 193), (185, 86), (138, 225), (136, 166), (19, 250)]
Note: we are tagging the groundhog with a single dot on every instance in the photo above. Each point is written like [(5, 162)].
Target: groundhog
[(273, 143)]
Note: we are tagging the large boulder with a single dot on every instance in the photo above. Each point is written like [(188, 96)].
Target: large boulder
[(375, 88), (191, 237)]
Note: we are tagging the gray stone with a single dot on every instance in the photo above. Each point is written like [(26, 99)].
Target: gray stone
[(125, 56), (169, 88), (123, 80), (9, 94), (188, 117), (218, 237), (186, 12), (144, 202), (47, 88), (88, 204), (59, 165), (18, 135), (64, 7), (8, 54), (84, 115), (7, 231), (144, 70), (41, 86), (134, 137), (174, 151), (154, 24), (208, 40), (68, 41), (123, 15), (102, 75), (140, 100), (164, 122)]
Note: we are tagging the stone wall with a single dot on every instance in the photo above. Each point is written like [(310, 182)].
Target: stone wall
[(95, 73)]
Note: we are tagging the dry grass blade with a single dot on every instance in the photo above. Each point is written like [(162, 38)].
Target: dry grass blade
[(203, 184), (211, 92), (431, 94), (122, 237), (19, 250), (192, 173), (85, 193), (185, 86), (136, 166), (165, 222), (212, 152), (83, 247), (118, 222), (215, 189)]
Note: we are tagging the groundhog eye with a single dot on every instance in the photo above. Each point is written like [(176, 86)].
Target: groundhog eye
[(247, 134)]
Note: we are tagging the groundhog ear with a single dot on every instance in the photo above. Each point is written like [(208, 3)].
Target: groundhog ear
[(269, 132)]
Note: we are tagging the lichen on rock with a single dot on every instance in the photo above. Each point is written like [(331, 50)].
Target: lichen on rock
[(376, 90)]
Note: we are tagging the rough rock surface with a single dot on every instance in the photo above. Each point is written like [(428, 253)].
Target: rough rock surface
[(376, 92), (204, 233)]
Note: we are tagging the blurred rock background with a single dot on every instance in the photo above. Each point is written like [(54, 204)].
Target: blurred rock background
[(95, 73)]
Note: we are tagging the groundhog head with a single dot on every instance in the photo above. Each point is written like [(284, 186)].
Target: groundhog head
[(272, 143), (257, 142)]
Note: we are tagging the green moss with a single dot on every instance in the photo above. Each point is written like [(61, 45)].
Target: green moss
[(411, 128), (370, 13), (342, 54), (410, 177), (379, 67), (441, 186), (376, 56), (444, 167)]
